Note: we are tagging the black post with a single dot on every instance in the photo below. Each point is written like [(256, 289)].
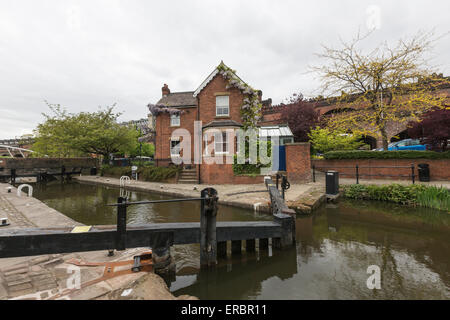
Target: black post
[(284, 185), (13, 176), (314, 173), (121, 239), (208, 239), (277, 176), (412, 173), (357, 174), (140, 154), (63, 172)]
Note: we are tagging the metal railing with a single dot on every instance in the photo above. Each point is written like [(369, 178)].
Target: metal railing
[(358, 174)]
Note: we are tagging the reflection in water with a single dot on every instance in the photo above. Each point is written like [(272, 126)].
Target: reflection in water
[(335, 246), (86, 203)]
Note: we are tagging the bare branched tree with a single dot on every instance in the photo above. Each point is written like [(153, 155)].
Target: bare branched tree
[(387, 84)]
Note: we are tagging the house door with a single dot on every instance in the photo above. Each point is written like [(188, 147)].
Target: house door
[(281, 165)]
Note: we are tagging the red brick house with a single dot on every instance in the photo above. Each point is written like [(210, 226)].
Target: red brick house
[(217, 103)]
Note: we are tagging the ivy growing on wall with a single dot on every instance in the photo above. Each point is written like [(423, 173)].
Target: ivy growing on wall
[(251, 107)]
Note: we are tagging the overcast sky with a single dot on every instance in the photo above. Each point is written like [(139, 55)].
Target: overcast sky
[(85, 54)]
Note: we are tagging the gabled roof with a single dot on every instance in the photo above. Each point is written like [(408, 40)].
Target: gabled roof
[(210, 77), (178, 99)]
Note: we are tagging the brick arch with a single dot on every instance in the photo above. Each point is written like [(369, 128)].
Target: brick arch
[(371, 141), (337, 110), (399, 136)]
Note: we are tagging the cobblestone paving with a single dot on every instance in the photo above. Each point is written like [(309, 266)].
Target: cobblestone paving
[(15, 217)]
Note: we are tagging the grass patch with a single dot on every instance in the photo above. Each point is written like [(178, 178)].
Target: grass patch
[(414, 195)]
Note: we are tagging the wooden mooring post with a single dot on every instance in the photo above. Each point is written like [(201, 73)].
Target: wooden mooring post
[(208, 234)]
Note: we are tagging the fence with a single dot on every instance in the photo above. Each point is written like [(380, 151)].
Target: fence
[(356, 171)]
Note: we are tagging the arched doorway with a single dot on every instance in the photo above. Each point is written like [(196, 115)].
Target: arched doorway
[(371, 141), (400, 136)]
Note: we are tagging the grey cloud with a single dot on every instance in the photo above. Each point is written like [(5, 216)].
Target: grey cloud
[(85, 54)]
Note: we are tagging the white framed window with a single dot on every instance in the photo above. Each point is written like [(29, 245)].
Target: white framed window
[(222, 106), (175, 120), (175, 148), (221, 145)]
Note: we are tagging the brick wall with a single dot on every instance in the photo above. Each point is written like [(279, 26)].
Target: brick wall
[(164, 131), (298, 163), (223, 174), (439, 168), (207, 101)]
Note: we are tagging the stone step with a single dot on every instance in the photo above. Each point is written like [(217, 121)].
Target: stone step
[(193, 181), (188, 175)]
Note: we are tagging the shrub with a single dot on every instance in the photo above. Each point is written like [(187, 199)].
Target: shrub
[(145, 173), (249, 168), (361, 154), (325, 140), (157, 173), (426, 196)]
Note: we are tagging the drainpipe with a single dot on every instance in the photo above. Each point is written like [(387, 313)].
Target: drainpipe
[(201, 141)]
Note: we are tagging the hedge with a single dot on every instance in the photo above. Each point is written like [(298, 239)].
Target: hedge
[(361, 154), (416, 195), (147, 173)]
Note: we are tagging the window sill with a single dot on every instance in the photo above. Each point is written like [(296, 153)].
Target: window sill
[(222, 117)]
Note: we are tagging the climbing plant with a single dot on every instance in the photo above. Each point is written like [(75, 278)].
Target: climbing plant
[(156, 109), (251, 106)]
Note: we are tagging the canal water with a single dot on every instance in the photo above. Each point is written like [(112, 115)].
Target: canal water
[(335, 248)]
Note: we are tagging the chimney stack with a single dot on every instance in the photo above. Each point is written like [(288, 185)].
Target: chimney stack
[(165, 90), (260, 95)]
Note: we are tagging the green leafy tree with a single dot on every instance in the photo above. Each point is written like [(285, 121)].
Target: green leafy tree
[(148, 150), (324, 140), (66, 134)]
